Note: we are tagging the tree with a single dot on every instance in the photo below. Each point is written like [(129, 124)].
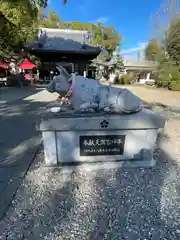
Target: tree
[(160, 20), (111, 38), (18, 24), (172, 40), (153, 50), (119, 63), (21, 19), (52, 20), (106, 37), (167, 27)]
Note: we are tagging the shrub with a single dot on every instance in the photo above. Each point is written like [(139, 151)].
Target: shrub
[(162, 81), (174, 85), (125, 79), (169, 76)]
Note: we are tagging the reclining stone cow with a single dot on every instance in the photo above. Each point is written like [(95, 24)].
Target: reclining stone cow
[(89, 95)]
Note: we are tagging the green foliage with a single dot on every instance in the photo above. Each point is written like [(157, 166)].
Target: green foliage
[(168, 75), (163, 76), (125, 79), (20, 20), (119, 62), (175, 78), (107, 37), (77, 25), (52, 20), (167, 53), (167, 56), (97, 30), (152, 50), (174, 85), (18, 24), (172, 39)]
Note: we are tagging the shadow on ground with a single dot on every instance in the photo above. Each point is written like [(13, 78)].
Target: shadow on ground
[(9, 94), (19, 140), (18, 124)]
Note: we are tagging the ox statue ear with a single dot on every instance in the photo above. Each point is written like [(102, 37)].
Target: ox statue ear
[(63, 71)]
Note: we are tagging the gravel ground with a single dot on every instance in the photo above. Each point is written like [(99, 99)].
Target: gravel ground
[(103, 204), (164, 96)]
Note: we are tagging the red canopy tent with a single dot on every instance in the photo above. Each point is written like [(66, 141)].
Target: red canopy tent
[(4, 65), (26, 64)]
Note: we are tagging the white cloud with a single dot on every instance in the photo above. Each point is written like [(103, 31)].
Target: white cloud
[(140, 46), (135, 52)]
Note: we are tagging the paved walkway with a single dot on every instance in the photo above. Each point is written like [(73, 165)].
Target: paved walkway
[(20, 110)]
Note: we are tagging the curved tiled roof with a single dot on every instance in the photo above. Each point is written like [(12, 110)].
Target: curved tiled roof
[(63, 40)]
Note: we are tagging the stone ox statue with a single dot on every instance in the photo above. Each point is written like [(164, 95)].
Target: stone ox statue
[(88, 95)]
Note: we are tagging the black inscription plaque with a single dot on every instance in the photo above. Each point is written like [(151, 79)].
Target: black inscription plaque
[(101, 145)]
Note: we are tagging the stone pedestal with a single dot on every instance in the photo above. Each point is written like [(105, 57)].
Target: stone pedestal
[(127, 140)]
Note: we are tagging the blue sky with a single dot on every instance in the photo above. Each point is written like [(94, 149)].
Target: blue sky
[(131, 18)]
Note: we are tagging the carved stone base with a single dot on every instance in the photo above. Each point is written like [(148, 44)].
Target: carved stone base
[(100, 139)]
